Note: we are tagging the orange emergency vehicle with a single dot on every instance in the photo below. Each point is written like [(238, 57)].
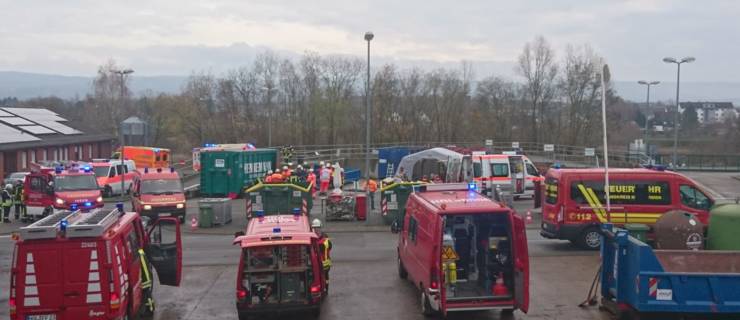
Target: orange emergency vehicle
[(158, 193), (92, 265), (516, 170), (60, 188), (280, 267), (109, 174), (574, 203), (463, 251), (145, 157)]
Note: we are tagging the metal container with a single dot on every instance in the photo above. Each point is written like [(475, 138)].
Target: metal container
[(393, 201), (205, 215), (679, 230), (217, 210), (724, 224), (225, 173)]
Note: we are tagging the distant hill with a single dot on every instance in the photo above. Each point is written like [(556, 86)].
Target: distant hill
[(24, 85)]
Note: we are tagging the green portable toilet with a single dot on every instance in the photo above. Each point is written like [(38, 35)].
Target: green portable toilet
[(724, 224)]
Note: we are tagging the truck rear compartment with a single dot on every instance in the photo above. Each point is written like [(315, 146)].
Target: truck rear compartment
[(483, 247), (277, 275)]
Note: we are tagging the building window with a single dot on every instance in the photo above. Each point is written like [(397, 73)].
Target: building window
[(66, 154), (24, 159), (33, 156), (44, 155), (89, 152), (56, 154)]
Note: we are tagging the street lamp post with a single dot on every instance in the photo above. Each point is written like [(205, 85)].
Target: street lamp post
[(368, 37), (675, 115), (647, 108), (122, 74)]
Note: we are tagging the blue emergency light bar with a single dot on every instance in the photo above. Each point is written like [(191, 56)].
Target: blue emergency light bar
[(296, 211), (276, 230), (172, 169), (119, 206), (73, 207), (146, 170), (58, 169), (155, 149), (472, 186), (260, 213), (88, 204), (63, 225), (86, 168)]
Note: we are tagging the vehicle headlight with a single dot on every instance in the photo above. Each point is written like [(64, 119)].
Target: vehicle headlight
[(180, 205), (99, 199), (60, 201), (147, 207)]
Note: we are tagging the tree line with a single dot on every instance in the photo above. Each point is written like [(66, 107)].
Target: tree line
[(554, 98)]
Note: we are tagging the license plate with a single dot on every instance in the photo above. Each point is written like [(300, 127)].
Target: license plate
[(42, 317), (165, 214)]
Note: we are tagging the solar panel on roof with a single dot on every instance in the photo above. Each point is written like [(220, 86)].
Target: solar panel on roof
[(10, 134), (37, 129), (16, 121), (35, 114), (56, 126), (5, 114)]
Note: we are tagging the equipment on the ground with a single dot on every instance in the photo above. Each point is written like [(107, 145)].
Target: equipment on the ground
[(340, 206)]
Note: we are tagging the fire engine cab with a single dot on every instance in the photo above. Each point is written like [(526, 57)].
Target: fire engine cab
[(61, 188), (158, 192), (280, 267), (76, 265), (463, 251)]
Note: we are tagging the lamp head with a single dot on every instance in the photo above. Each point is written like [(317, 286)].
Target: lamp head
[(369, 36)]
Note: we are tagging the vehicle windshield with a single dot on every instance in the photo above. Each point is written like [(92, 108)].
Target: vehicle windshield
[(161, 186), (18, 175), (101, 171), (75, 183)]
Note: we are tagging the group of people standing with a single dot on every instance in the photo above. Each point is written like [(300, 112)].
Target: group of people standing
[(322, 175)]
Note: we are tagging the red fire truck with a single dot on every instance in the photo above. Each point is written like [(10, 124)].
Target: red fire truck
[(61, 188), (280, 269), (76, 265), (463, 251), (158, 193)]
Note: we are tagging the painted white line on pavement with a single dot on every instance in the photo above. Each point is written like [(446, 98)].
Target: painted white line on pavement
[(5, 236)]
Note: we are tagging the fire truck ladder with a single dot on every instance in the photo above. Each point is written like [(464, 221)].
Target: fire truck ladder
[(93, 224), (48, 227)]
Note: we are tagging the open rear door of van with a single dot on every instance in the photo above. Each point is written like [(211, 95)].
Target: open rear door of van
[(521, 264), (165, 250)]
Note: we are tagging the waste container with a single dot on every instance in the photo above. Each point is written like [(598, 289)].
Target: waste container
[(638, 231), (393, 202), (679, 230), (215, 210), (724, 223), (360, 206), (205, 214)]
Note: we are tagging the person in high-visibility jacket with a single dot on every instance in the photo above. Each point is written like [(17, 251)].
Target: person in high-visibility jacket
[(325, 247), (7, 202), (18, 198), (372, 187)]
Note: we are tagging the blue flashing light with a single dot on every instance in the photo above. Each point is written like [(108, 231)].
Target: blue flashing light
[(260, 213), (155, 149), (86, 168), (172, 169), (146, 170), (296, 211), (63, 225), (472, 186), (556, 165), (58, 169), (88, 204), (276, 230), (119, 206), (73, 207)]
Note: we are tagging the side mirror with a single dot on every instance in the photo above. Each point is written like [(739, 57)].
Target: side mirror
[(395, 228)]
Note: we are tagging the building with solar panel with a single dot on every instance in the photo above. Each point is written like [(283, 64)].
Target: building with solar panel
[(29, 135)]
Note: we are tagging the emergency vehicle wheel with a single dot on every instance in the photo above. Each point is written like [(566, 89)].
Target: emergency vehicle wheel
[(426, 307), (590, 238), (402, 273), (107, 192)]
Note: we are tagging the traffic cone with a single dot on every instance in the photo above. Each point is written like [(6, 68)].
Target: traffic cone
[(529, 217), (499, 289), (193, 224)]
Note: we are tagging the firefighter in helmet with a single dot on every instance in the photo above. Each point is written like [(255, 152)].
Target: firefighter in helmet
[(325, 247), (19, 196), (7, 202)]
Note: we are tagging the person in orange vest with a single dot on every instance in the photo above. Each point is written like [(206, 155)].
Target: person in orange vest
[(372, 187), (268, 177), (311, 179), (286, 173), (277, 177)]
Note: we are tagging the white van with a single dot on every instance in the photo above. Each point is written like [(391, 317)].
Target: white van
[(518, 171)]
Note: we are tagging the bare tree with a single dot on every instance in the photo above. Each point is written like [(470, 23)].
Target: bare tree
[(580, 86), (538, 67)]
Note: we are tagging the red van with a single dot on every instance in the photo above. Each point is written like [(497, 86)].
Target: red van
[(92, 265), (574, 201), (280, 267), (463, 251), (158, 193)]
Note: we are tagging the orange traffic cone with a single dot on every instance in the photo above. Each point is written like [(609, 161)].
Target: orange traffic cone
[(193, 224), (499, 289), (529, 217)]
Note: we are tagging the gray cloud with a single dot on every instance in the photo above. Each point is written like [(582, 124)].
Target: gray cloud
[(177, 36)]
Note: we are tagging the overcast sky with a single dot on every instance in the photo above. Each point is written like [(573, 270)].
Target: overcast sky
[(174, 37)]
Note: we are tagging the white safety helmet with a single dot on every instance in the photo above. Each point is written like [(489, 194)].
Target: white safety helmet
[(269, 172), (316, 223), (321, 163), (9, 186), (285, 167)]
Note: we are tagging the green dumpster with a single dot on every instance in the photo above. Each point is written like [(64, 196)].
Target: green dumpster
[(225, 172), (205, 214), (638, 231), (279, 198), (393, 201)]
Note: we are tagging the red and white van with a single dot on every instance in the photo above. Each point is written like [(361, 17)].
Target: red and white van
[(92, 265), (518, 171), (109, 174), (158, 193), (59, 188), (574, 201), (280, 267), (463, 251)]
